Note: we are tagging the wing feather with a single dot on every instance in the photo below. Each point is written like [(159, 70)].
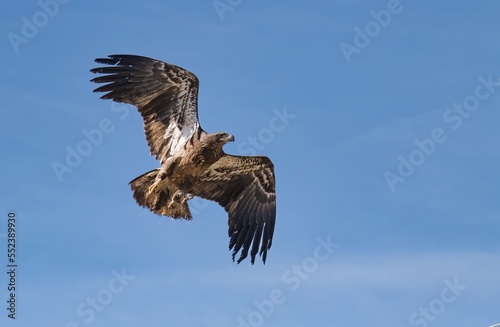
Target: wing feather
[(245, 187), (166, 96), (256, 240)]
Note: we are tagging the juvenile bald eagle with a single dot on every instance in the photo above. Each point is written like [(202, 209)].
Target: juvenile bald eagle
[(193, 162)]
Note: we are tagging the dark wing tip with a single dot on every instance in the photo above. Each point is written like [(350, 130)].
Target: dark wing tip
[(115, 58), (253, 238), (107, 61), (243, 257), (111, 60), (118, 60)]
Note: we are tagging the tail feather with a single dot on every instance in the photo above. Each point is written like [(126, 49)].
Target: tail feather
[(158, 202)]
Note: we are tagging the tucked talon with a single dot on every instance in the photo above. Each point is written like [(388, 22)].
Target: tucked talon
[(177, 196), (175, 199), (186, 198), (154, 188)]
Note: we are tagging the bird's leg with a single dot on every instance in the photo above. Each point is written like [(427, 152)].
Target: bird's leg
[(175, 198), (155, 187), (186, 198)]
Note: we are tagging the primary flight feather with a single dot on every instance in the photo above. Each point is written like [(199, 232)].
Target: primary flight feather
[(193, 162)]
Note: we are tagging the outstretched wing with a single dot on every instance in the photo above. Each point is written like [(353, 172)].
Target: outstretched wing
[(166, 96), (245, 187)]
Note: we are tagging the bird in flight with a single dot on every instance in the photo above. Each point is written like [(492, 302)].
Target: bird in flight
[(192, 161)]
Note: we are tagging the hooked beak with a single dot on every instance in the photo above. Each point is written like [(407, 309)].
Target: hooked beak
[(230, 138)]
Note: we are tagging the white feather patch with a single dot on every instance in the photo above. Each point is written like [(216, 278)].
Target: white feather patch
[(178, 137)]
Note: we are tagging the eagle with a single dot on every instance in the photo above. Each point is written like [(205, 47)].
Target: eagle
[(192, 161)]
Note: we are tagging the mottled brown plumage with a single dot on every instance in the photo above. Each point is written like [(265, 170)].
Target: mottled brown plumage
[(193, 162)]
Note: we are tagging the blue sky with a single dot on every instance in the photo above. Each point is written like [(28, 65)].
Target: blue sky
[(381, 118)]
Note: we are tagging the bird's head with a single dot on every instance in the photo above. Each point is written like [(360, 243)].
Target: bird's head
[(216, 141), (223, 138)]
